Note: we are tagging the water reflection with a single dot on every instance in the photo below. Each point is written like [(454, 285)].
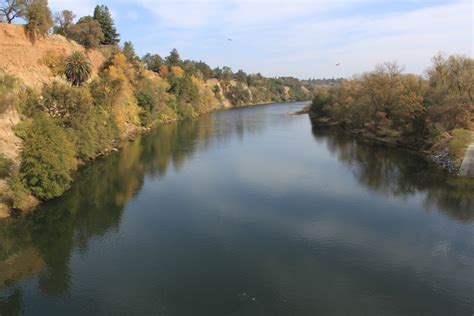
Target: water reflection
[(395, 172), (42, 243)]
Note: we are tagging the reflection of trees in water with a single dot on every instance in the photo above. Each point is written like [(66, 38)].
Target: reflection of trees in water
[(11, 304), (94, 204), (395, 171)]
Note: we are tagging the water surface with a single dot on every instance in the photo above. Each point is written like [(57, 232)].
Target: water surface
[(247, 212)]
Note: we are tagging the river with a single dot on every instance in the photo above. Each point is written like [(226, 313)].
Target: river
[(247, 212)]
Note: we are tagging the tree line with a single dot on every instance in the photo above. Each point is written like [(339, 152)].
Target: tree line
[(423, 112)]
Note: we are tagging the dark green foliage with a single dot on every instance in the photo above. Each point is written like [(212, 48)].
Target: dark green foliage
[(47, 159), (5, 166), (147, 101), (78, 68), (320, 103), (183, 88), (19, 194), (102, 15), (39, 18), (153, 62), (93, 132), (173, 59), (65, 102), (86, 32)]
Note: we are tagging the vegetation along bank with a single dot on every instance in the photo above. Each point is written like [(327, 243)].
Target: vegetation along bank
[(433, 114), (69, 93)]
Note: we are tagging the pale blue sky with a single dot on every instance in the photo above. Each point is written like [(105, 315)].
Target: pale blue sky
[(301, 38)]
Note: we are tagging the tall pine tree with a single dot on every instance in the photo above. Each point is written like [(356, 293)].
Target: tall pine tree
[(102, 15)]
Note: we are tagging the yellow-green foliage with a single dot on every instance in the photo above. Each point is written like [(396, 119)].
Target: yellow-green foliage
[(18, 193), (47, 158), (124, 105), (459, 143)]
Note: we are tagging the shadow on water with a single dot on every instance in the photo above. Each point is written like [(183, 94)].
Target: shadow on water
[(391, 171), (41, 241)]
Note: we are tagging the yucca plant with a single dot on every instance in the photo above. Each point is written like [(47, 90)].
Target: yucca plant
[(78, 68)]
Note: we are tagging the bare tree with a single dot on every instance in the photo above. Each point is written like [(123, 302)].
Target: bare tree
[(12, 9)]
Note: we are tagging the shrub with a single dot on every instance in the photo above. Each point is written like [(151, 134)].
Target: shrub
[(55, 62), (78, 68), (5, 166), (7, 97), (47, 159), (320, 103), (19, 195), (65, 102)]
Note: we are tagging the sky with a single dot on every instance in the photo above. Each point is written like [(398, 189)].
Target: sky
[(300, 38)]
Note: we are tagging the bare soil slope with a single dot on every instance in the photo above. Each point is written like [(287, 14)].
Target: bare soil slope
[(21, 57)]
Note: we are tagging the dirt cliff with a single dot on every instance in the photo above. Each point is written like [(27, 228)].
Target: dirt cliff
[(21, 57)]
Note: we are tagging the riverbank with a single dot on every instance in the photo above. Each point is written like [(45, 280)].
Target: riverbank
[(439, 154), (7, 212)]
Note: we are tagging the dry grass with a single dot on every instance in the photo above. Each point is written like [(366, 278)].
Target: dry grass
[(459, 143)]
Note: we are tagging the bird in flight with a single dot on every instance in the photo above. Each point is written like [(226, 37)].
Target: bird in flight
[(338, 64), (229, 39)]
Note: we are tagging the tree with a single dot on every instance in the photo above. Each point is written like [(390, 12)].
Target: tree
[(12, 9), (129, 51), (102, 15), (87, 32), (173, 59), (39, 18), (63, 21), (153, 62), (78, 68), (47, 159)]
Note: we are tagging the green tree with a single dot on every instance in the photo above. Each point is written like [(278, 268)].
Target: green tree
[(102, 15), (63, 22), (39, 18), (173, 59), (153, 62), (78, 68), (129, 51), (86, 32), (47, 159)]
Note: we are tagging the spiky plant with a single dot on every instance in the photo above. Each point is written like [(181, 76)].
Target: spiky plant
[(78, 68)]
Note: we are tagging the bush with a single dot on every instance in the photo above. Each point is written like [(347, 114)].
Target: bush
[(55, 62), (65, 102), (320, 103), (7, 98), (5, 166), (19, 195), (47, 159)]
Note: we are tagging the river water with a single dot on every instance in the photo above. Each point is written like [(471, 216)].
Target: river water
[(247, 212)]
